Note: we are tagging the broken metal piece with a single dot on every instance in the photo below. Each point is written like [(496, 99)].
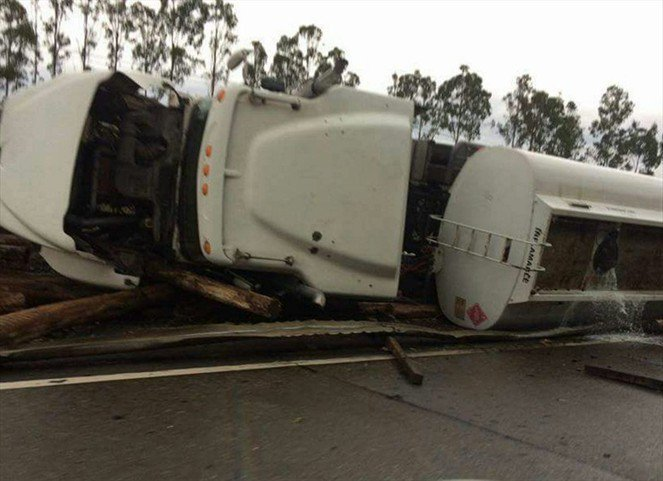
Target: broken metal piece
[(404, 364)]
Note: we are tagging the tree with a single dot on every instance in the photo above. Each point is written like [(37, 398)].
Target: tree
[(16, 37), (612, 137), (308, 39), (298, 58), (644, 150), (568, 141), (147, 36), (254, 71), (463, 105), (517, 104), (421, 90), (36, 51), (117, 27), (185, 31), (90, 11), (288, 62), (57, 41), (539, 122), (223, 20)]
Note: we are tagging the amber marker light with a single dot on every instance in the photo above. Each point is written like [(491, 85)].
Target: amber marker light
[(206, 170), (208, 150), (221, 95), (205, 189), (207, 247)]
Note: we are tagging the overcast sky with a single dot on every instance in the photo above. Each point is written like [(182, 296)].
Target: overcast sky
[(569, 47)]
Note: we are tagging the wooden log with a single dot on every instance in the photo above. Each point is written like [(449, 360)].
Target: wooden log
[(32, 323), (217, 291), (11, 301), (404, 365), (399, 310), (649, 377), (43, 288)]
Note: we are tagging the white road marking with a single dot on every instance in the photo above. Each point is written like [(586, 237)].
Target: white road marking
[(128, 376)]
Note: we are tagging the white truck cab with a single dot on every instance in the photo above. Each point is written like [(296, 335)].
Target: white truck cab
[(98, 174)]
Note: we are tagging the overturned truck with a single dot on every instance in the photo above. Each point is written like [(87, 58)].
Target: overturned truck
[(318, 194)]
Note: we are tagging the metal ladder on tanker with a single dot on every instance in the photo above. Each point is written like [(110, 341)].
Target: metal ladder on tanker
[(491, 238)]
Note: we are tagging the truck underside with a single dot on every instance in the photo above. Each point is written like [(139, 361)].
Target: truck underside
[(123, 198)]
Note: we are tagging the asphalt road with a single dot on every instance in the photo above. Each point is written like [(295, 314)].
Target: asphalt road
[(513, 415)]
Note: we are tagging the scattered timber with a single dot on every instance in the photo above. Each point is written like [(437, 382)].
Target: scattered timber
[(404, 364), (650, 378), (253, 302), (43, 288), (29, 324), (11, 301), (399, 310)]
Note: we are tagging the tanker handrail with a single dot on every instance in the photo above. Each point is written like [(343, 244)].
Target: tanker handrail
[(458, 224), (490, 235)]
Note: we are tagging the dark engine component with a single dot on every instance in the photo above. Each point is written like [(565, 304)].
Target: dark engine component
[(434, 169), (124, 189)]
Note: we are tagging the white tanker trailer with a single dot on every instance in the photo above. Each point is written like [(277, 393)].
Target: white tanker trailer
[(321, 193)]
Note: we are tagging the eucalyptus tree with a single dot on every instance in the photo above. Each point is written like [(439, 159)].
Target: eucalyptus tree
[(610, 129), (309, 38), (422, 91), (36, 50), (644, 149), (223, 22), (462, 105), (16, 37), (184, 22), (539, 122), (117, 27), (57, 42), (288, 62), (90, 11), (147, 38), (254, 70)]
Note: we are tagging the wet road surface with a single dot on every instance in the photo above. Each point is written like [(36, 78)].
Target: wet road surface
[(512, 415)]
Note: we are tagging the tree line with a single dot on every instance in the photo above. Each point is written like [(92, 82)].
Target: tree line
[(534, 120), (167, 40)]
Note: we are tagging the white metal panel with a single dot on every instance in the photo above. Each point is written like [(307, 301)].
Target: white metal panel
[(318, 191), (87, 269), (210, 206), (39, 136)]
